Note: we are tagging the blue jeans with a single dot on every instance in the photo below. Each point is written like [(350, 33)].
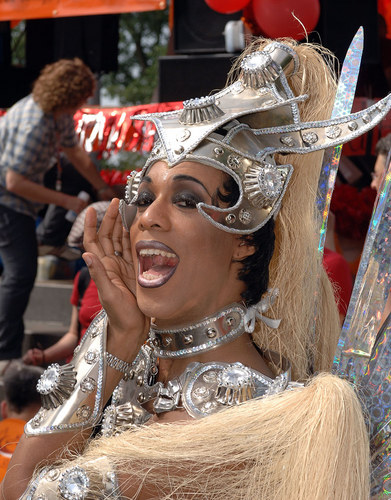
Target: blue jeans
[(18, 251)]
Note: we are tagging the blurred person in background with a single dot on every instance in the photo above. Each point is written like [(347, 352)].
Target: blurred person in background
[(32, 132), (21, 402)]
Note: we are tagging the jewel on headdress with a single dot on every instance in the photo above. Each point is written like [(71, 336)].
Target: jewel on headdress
[(262, 68), (259, 70), (287, 140), (234, 162), (263, 185), (310, 137), (230, 219), (126, 210), (333, 132), (245, 216), (200, 110), (184, 135)]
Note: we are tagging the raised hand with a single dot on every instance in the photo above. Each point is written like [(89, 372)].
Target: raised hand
[(108, 256)]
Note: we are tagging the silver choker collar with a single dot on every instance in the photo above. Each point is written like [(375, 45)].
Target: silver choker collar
[(212, 332)]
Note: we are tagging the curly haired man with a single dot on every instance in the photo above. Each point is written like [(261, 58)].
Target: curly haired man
[(32, 132)]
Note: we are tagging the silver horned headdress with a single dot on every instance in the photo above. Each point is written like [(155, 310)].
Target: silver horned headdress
[(240, 129)]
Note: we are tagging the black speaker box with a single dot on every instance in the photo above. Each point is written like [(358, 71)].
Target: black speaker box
[(182, 77), (92, 38), (340, 19), (198, 28)]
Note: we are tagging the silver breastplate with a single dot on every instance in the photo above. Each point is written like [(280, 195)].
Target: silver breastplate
[(202, 389)]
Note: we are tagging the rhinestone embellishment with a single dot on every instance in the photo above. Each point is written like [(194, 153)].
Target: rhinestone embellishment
[(366, 118), (263, 185), (56, 385), (353, 126), (38, 418), (53, 474), (184, 135), (270, 182), (188, 339), (74, 484), (237, 87), (234, 162), (84, 412), (200, 110), (245, 216), (91, 357), (88, 384), (218, 151), (230, 219), (210, 376), (201, 393), (259, 70), (179, 150), (333, 132), (211, 333), (235, 385), (310, 137), (287, 140)]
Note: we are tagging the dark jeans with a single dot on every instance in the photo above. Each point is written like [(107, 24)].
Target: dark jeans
[(18, 251)]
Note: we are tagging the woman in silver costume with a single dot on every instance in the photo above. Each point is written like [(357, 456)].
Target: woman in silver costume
[(211, 399)]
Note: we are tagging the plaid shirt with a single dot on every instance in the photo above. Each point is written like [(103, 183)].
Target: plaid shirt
[(29, 139)]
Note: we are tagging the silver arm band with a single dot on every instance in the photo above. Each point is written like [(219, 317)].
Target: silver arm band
[(119, 365), (72, 395)]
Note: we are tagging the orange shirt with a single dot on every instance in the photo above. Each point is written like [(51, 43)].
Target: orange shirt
[(11, 430)]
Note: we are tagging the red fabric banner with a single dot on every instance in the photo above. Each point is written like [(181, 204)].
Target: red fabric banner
[(111, 129)]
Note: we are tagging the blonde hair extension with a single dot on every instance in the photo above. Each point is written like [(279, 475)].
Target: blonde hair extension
[(296, 267), (295, 445)]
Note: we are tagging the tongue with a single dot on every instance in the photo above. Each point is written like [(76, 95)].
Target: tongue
[(158, 270)]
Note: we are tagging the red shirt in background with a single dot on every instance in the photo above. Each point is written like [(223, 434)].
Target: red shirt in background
[(89, 306)]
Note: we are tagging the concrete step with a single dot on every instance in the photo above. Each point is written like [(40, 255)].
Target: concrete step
[(48, 314)]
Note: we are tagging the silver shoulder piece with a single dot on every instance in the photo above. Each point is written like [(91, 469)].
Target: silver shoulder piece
[(212, 387), (95, 480), (72, 394)]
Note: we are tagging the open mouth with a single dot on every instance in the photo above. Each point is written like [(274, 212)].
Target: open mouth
[(156, 263)]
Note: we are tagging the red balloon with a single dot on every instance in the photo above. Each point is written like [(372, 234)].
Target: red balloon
[(227, 6), (277, 18)]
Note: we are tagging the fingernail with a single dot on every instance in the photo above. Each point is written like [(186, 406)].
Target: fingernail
[(88, 260)]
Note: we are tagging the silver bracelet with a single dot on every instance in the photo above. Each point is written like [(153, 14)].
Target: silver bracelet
[(119, 365)]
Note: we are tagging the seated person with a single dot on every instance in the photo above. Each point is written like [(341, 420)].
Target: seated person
[(85, 306), (21, 403)]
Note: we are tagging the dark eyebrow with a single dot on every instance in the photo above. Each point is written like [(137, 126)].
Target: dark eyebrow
[(183, 177), (179, 177)]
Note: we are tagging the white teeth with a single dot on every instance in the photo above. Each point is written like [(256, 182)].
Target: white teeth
[(154, 251), (150, 277)]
